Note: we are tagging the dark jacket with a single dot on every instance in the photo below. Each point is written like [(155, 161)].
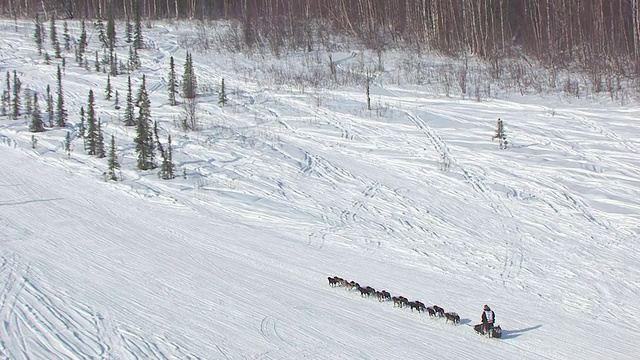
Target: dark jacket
[(488, 317)]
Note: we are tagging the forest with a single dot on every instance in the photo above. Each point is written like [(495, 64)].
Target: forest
[(602, 36)]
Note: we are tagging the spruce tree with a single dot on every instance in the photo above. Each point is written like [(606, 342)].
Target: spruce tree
[(141, 91), (83, 127), (61, 115), (3, 104), (116, 101), (17, 86), (189, 82), (173, 87), (36, 116), (138, 41), (128, 32), (82, 44), (167, 169), (102, 36), (67, 144), (28, 102), (222, 97), (129, 116), (108, 90), (145, 146), (49, 106), (111, 32), (6, 96), (54, 37), (37, 35), (134, 60), (92, 125), (113, 160), (8, 82), (500, 135), (114, 65), (97, 62), (67, 37), (171, 168), (100, 151)]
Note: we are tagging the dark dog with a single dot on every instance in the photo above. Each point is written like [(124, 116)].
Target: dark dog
[(334, 281), (383, 295), (453, 317), (399, 301), (419, 306), (352, 284), (366, 291), (431, 311), (439, 311)]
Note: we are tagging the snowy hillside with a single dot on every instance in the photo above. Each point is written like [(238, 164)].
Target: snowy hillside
[(287, 185)]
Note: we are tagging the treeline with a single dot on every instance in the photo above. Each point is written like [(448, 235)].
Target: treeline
[(597, 34)]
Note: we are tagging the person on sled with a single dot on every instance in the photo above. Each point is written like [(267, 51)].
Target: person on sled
[(488, 319)]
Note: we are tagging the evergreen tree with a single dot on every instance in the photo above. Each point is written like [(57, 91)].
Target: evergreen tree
[(113, 160), (100, 152), (138, 41), (500, 135), (145, 146), (102, 36), (173, 87), (83, 127), (108, 90), (114, 65), (111, 32), (36, 117), (129, 32), (97, 62), (189, 82), (6, 96), (92, 125), (17, 86), (49, 106), (37, 35), (84, 41), (170, 168), (67, 37), (28, 101), (129, 116), (61, 115), (54, 37), (222, 97), (3, 104), (116, 101), (82, 44), (67, 144), (134, 59), (141, 91), (167, 169)]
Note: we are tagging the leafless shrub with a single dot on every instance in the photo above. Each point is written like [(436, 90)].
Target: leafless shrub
[(190, 115)]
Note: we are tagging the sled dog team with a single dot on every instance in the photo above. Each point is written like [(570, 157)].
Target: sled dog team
[(398, 301), (485, 328)]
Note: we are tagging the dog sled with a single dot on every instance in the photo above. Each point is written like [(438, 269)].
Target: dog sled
[(495, 332)]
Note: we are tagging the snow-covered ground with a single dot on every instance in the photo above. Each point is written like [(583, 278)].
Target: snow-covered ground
[(288, 185)]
